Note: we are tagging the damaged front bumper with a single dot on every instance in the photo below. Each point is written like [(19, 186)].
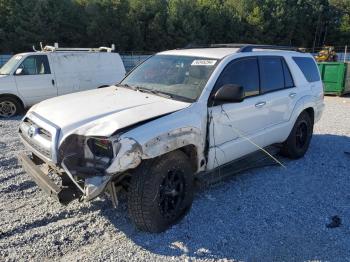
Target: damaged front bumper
[(84, 182), (70, 189), (65, 193)]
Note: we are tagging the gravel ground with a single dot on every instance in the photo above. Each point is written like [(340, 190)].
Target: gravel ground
[(267, 214)]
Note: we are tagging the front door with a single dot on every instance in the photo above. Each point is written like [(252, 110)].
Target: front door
[(233, 126), (35, 81)]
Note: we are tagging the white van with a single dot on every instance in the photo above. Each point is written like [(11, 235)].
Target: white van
[(29, 78)]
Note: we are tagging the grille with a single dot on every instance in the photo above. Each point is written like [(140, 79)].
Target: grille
[(45, 133), (37, 147), (40, 139)]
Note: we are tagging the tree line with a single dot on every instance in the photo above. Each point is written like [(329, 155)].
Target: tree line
[(153, 25)]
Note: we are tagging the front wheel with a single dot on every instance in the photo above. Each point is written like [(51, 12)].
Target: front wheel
[(299, 139), (9, 107), (161, 192)]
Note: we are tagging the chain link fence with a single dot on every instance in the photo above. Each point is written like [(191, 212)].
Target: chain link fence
[(132, 59), (129, 59), (4, 59)]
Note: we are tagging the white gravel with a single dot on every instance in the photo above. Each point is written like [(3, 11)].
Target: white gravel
[(268, 214)]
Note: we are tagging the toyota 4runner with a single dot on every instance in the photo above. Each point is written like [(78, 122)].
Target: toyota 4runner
[(178, 115)]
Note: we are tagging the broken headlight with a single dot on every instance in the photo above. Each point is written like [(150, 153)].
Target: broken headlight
[(101, 147)]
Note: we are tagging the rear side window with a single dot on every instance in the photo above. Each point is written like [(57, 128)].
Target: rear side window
[(243, 72), (271, 74), (308, 66)]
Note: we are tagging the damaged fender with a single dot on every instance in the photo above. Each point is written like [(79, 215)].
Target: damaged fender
[(129, 156), (131, 152)]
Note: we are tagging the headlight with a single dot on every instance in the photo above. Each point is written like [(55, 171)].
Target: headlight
[(100, 147)]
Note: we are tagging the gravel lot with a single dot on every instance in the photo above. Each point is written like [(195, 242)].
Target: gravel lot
[(268, 214)]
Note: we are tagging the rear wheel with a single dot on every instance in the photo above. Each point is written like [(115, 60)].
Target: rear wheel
[(9, 107), (299, 139), (161, 192)]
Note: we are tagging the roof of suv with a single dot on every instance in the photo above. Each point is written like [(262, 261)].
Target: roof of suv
[(221, 52), (216, 53)]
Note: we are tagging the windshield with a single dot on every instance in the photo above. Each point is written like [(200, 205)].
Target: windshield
[(179, 77), (8, 67)]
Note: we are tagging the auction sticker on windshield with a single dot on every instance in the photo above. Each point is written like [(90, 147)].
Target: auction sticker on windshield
[(203, 62)]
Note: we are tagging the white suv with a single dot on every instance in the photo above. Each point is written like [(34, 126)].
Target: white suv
[(179, 115)]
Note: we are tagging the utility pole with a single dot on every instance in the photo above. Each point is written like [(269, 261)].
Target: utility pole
[(345, 51)]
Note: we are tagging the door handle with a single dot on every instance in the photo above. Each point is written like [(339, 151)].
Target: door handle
[(260, 104), (53, 82), (292, 95)]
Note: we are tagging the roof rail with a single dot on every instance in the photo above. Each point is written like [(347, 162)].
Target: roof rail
[(250, 48), (246, 47), (55, 48)]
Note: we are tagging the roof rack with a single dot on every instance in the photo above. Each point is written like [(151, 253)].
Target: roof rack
[(250, 48), (55, 48), (243, 48)]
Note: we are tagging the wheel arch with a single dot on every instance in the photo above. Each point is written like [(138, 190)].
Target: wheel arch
[(311, 112), (14, 97), (192, 154)]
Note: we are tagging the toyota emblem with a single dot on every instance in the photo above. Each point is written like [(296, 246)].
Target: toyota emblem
[(31, 131)]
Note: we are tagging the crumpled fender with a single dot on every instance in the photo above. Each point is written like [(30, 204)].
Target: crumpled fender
[(129, 156), (131, 152)]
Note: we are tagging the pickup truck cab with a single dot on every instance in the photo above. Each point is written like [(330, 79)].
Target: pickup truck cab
[(179, 115), (29, 78)]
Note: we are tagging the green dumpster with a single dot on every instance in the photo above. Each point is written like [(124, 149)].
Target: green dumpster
[(336, 77)]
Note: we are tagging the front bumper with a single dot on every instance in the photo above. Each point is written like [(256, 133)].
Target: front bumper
[(64, 194)]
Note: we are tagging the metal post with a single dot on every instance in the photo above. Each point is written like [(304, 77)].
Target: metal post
[(346, 49)]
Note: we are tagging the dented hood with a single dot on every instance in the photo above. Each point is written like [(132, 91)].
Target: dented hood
[(101, 112)]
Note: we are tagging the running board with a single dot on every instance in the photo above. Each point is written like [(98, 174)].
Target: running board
[(256, 159)]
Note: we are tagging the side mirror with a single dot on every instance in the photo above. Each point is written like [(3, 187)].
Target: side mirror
[(19, 71), (229, 94)]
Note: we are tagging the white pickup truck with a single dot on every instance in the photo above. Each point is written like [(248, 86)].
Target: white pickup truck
[(29, 78), (179, 115)]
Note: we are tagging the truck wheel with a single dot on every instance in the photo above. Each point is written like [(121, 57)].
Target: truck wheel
[(161, 192), (9, 107), (299, 139)]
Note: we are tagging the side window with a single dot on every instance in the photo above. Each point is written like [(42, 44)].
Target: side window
[(271, 74), (288, 79), (243, 72), (308, 66), (35, 65)]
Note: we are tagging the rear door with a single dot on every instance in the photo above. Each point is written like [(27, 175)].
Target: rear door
[(278, 92), (36, 82)]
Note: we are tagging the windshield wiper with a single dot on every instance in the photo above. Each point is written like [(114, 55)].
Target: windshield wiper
[(146, 90), (158, 93), (127, 86), (154, 92)]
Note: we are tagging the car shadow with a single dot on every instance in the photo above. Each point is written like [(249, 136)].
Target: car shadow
[(270, 213), (14, 118)]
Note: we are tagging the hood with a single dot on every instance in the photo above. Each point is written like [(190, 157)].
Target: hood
[(101, 112)]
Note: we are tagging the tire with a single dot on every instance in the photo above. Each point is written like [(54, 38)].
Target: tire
[(9, 107), (161, 192), (299, 139)]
